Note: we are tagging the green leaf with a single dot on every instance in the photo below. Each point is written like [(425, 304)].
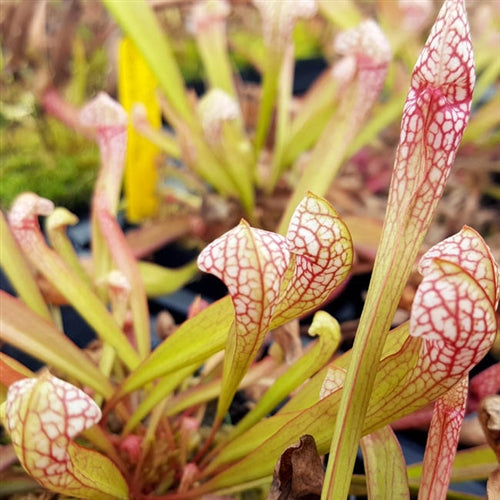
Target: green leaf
[(99, 477), (305, 413), (406, 381), (434, 118), (328, 330), (193, 342), (17, 271), (385, 467), (473, 464), (23, 219), (318, 106), (160, 391), (34, 335), (138, 20), (159, 280), (211, 389), (256, 451), (273, 279)]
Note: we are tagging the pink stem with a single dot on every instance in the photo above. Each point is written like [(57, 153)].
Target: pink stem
[(442, 442), (54, 105)]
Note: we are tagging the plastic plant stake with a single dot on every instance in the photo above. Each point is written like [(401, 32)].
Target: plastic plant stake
[(137, 84)]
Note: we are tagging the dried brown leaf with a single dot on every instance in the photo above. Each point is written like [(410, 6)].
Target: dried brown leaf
[(298, 473), (489, 416)]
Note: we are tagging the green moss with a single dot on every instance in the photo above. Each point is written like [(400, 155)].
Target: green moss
[(42, 156)]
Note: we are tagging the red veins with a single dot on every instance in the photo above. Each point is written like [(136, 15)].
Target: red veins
[(454, 307), (274, 279), (468, 250), (441, 447), (251, 263), (321, 248), (42, 416), (367, 55), (106, 115), (454, 313), (435, 113), (23, 219)]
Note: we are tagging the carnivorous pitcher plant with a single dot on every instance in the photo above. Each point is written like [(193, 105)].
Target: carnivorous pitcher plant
[(126, 421)]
